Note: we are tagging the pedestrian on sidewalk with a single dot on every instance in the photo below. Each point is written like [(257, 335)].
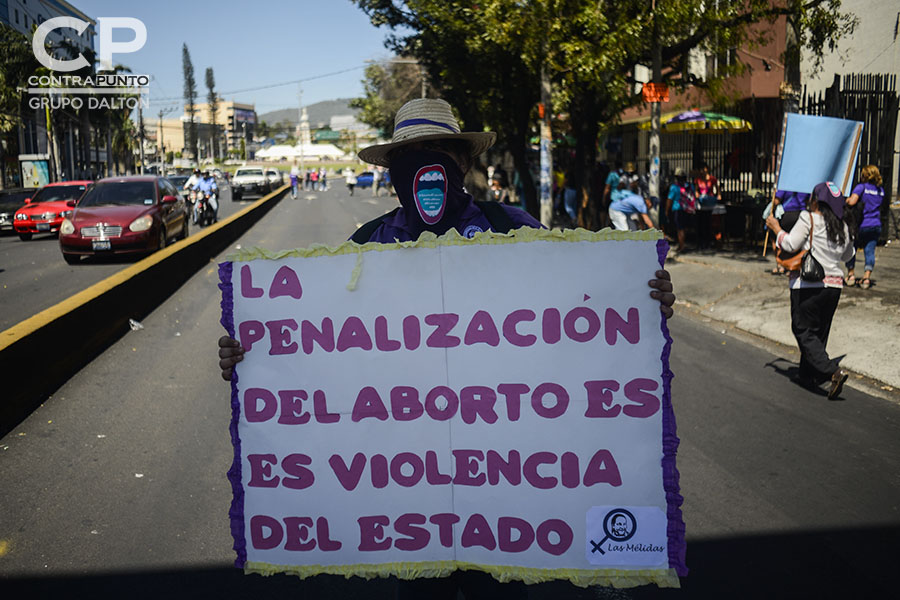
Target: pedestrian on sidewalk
[(677, 204), (871, 193), (625, 210), (708, 195), (822, 231)]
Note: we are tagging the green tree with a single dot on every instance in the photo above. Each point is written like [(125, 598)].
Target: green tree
[(213, 101), (388, 86), (190, 96), (489, 55), (18, 64)]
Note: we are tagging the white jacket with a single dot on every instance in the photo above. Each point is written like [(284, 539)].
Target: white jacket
[(830, 256)]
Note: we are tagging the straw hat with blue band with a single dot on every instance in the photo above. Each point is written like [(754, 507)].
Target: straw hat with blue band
[(425, 119)]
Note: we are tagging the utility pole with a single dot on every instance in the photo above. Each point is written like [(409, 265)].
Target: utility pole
[(546, 150), (141, 134), (300, 130), (655, 111), (159, 145)]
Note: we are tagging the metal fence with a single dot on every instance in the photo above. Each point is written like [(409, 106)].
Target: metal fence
[(873, 100), (745, 163)]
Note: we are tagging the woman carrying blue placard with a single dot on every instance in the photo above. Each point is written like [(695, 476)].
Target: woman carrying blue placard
[(822, 232)]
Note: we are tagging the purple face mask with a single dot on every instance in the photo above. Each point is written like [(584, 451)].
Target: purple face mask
[(428, 184)]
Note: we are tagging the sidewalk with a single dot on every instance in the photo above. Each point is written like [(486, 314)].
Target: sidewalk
[(735, 287)]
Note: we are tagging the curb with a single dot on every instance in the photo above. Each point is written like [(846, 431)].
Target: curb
[(90, 321)]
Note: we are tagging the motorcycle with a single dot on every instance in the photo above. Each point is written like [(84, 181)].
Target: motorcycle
[(193, 197), (204, 213)]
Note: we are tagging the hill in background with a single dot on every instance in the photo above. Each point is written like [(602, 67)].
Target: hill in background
[(319, 113)]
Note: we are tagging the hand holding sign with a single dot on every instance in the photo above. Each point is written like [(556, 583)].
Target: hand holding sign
[(468, 417)]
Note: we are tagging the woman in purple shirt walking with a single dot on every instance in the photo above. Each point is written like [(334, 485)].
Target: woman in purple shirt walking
[(871, 193)]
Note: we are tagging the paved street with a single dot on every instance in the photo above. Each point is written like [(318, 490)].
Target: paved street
[(34, 276), (116, 486)]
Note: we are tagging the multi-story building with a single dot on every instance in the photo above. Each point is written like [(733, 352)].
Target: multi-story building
[(24, 15), (171, 135), (31, 139), (239, 121)]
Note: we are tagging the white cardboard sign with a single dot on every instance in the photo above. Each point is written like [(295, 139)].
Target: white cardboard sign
[(499, 403)]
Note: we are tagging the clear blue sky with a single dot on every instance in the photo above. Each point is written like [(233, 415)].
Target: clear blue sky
[(250, 44)]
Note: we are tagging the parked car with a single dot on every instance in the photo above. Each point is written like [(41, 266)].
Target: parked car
[(45, 210), (249, 180), (124, 215), (275, 177), (11, 200)]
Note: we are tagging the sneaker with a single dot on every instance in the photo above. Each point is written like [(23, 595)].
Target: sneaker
[(837, 384)]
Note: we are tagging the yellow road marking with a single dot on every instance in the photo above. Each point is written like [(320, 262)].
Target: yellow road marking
[(32, 324)]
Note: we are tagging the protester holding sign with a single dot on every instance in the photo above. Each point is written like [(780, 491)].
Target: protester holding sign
[(871, 193), (428, 157), (427, 133), (820, 231)]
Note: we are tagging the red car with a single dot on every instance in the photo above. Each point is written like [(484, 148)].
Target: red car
[(44, 212), (124, 215)]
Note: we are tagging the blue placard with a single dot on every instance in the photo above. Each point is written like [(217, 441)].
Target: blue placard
[(818, 149)]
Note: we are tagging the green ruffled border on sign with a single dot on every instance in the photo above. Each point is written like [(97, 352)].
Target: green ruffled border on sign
[(618, 578), (452, 238)]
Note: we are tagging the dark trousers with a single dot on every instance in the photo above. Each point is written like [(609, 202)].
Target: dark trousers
[(474, 585), (812, 310)]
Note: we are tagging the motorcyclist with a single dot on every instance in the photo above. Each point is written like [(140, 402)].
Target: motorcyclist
[(189, 185), (207, 185)]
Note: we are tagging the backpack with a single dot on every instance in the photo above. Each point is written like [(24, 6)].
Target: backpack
[(498, 218), (688, 200)]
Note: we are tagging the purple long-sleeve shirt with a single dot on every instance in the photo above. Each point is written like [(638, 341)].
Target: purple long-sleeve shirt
[(400, 227)]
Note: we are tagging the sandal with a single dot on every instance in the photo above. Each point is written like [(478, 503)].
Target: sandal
[(850, 281), (865, 284)]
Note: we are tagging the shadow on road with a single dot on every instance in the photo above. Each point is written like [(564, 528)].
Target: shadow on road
[(851, 563)]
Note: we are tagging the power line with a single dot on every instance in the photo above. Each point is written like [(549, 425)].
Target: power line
[(281, 84)]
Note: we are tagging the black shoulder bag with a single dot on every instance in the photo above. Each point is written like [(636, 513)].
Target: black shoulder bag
[(810, 268)]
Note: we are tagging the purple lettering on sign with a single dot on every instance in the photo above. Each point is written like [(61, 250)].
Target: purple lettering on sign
[(247, 289), (286, 283), (482, 330), (280, 336), (443, 324)]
